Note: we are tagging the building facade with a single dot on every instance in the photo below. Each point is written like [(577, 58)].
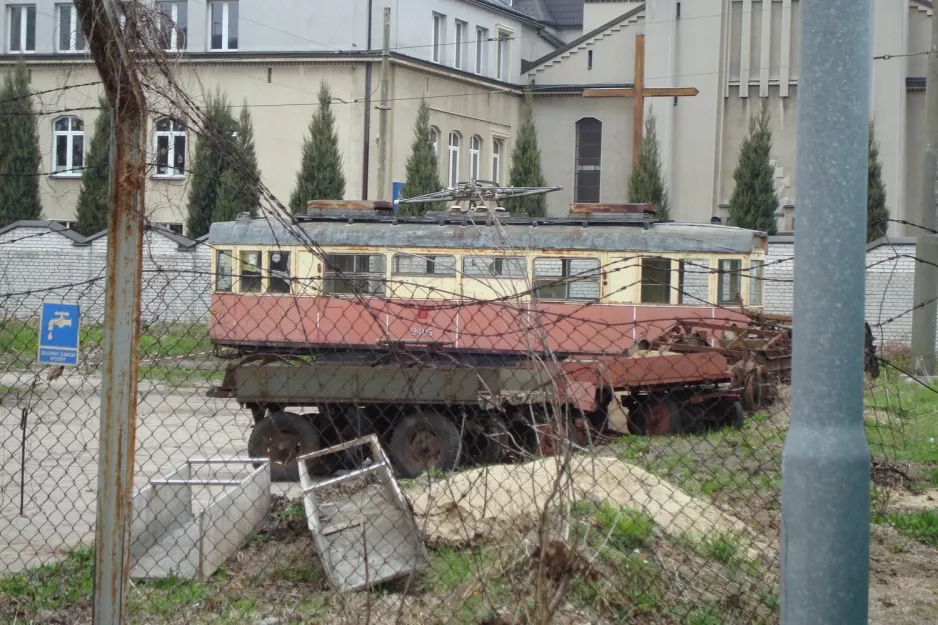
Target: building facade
[(464, 56), (471, 60), (738, 54)]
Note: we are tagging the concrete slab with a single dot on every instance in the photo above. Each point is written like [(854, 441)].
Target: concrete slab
[(61, 456)]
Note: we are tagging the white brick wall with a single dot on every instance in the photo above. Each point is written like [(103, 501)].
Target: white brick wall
[(39, 261), (889, 277)]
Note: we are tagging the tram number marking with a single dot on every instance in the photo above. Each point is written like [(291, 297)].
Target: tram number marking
[(421, 332)]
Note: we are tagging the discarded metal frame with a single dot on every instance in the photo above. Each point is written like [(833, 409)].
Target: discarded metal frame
[(370, 537), (167, 538)]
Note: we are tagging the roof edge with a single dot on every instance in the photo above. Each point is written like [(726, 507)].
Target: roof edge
[(576, 42)]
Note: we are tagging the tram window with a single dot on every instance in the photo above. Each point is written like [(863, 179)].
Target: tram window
[(513, 267), (279, 263), (223, 270), (728, 281), (566, 278), (694, 281), (424, 265), (251, 266), (354, 274), (756, 278), (656, 280)]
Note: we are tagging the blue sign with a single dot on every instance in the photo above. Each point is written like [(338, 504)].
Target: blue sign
[(58, 334), (396, 188)]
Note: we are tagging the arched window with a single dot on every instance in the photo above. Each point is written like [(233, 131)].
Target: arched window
[(453, 177), (589, 143), (496, 161), (69, 145), (475, 156), (435, 140), (170, 147)]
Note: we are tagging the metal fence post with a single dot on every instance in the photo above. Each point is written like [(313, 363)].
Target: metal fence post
[(826, 462), (101, 25)]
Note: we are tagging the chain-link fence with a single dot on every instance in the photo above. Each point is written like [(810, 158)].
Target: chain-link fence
[(539, 443)]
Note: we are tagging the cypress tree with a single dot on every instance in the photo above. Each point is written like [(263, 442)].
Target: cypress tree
[(423, 168), (96, 176), (20, 159), (239, 187), (646, 185), (320, 176), (214, 151), (877, 215), (754, 202), (526, 165)]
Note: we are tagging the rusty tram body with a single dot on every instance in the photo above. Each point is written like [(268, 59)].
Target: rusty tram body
[(453, 334)]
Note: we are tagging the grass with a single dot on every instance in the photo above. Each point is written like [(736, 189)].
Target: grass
[(49, 587), (20, 339), (175, 376), (723, 548), (626, 528), (68, 585), (922, 525)]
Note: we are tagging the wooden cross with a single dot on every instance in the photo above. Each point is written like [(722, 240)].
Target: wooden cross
[(638, 92)]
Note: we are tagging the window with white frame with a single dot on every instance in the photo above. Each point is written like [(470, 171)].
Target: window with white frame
[(22, 20), (512, 267), (729, 280), (462, 45), (496, 160), (439, 38), (475, 156), (69, 147), (174, 24), (503, 55), (68, 35), (170, 147), (566, 278), (453, 176), (756, 277), (223, 17), (435, 140), (482, 46)]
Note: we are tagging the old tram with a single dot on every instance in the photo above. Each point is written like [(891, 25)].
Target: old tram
[(435, 331)]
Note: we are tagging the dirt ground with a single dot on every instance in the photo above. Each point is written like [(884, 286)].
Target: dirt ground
[(479, 524)]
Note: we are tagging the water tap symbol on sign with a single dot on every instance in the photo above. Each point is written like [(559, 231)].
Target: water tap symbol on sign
[(61, 320)]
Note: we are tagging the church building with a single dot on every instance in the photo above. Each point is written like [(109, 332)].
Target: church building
[(702, 68)]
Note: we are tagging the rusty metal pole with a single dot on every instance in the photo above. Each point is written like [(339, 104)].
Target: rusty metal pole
[(100, 23)]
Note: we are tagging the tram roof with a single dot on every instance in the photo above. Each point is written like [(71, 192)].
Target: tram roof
[(510, 232)]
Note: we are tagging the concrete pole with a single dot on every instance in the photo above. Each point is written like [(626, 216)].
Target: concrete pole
[(925, 287), (826, 462), (101, 26), (384, 108)]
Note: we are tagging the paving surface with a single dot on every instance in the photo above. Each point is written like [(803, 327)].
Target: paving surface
[(61, 468)]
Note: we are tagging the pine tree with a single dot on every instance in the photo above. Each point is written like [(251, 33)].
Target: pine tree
[(754, 202), (320, 176), (423, 168), (20, 159), (877, 215), (214, 150), (96, 176), (239, 187), (646, 185), (526, 165)]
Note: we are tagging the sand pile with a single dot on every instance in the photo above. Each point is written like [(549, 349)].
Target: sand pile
[(485, 503)]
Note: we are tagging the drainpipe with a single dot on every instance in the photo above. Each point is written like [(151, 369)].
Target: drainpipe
[(366, 144)]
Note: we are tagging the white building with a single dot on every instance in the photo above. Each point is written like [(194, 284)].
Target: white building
[(471, 60)]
